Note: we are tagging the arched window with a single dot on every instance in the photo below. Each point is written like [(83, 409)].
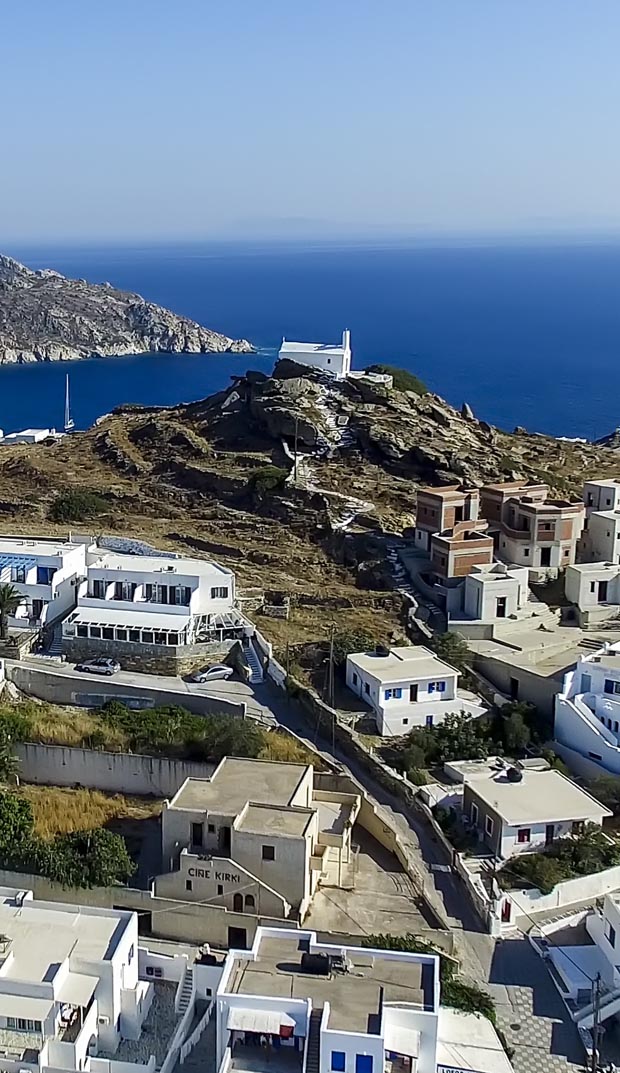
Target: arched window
[(238, 903), (249, 901)]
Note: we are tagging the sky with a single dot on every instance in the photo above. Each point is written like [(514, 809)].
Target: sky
[(197, 119)]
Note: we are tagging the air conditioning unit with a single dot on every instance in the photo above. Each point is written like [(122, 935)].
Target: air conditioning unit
[(103, 1020)]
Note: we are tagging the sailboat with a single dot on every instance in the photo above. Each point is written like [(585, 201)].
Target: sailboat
[(69, 422)]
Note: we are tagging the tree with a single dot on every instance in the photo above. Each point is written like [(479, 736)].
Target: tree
[(452, 648), (9, 764), (16, 825), (76, 505), (606, 789), (10, 599), (96, 858), (354, 640), (462, 737)]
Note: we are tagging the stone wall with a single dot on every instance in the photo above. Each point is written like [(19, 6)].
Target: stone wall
[(129, 773), (148, 659), (51, 684)]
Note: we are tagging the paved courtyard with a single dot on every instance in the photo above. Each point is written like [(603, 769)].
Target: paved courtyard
[(531, 1013)]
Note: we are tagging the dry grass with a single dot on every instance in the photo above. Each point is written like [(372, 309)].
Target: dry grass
[(73, 726), (280, 746), (59, 810)]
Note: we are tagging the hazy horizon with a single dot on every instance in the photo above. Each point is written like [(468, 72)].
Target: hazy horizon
[(352, 121)]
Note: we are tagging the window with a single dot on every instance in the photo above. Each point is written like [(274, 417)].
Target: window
[(249, 901), (595, 756), (526, 552), (219, 592), (611, 686), (436, 687), (388, 694), (147, 637), (220, 888), (211, 828), (11, 1022), (196, 834), (82, 631), (363, 1063), (99, 590), (160, 638), (188, 884), (524, 834), (95, 631), (366, 687), (339, 1061), (488, 825), (108, 633), (269, 853), (566, 551), (429, 720), (24, 1024), (397, 694), (130, 955), (593, 586), (121, 635), (615, 726), (18, 573), (405, 722), (152, 970), (474, 813), (610, 933), (547, 526), (134, 635), (208, 992), (354, 679)]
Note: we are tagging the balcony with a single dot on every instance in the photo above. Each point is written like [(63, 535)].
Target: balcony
[(516, 534)]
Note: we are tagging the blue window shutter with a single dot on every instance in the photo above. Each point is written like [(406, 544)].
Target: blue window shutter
[(363, 1063), (609, 685), (338, 1061), (441, 686)]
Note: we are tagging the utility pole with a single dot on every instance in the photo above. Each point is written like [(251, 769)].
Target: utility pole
[(288, 659), (596, 1018), (330, 683)]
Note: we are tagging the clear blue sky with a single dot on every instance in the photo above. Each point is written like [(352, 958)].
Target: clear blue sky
[(198, 118)]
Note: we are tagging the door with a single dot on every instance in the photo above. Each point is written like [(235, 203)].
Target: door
[(506, 911), (545, 556), (413, 694), (500, 607), (549, 834), (363, 1063), (37, 608), (602, 592), (586, 683), (237, 939), (224, 839), (238, 903), (514, 688)]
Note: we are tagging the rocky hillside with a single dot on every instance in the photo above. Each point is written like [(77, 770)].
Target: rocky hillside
[(46, 317), (217, 478)]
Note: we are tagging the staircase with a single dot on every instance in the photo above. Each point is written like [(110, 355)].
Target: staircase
[(55, 646), (313, 1045), (184, 996), (256, 669)]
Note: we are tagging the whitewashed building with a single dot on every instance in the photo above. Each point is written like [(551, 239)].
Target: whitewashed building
[(69, 984), (257, 838), (517, 810), (331, 358), (129, 602), (587, 712), (47, 572), (407, 687), (496, 592), (600, 542), (343, 1009), (594, 589)]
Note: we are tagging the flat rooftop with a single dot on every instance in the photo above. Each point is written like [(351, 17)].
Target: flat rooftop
[(539, 797), (43, 934), (140, 616), (592, 568), (35, 547), (354, 997), (407, 661), (156, 564), (280, 820), (608, 515), (235, 782), (469, 1041)]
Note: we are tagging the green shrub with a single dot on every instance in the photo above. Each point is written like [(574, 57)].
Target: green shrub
[(267, 479), (353, 640), (76, 505), (403, 379), (197, 737), (452, 648), (567, 858)]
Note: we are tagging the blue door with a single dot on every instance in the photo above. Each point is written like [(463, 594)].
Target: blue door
[(363, 1063)]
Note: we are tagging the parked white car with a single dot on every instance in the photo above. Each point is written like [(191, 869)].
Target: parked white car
[(212, 674)]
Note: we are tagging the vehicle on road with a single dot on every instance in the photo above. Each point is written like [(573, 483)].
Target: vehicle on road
[(212, 674), (101, 665)]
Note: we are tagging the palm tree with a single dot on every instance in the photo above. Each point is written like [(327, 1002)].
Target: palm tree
[(10, 599)]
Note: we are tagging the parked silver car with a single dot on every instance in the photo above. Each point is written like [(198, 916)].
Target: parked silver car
[(212, 674), (101, 665)]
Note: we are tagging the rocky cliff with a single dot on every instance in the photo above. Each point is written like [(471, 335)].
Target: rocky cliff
[(46, 317)]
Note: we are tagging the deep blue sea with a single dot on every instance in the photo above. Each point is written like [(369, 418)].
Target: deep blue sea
[(526, 335)]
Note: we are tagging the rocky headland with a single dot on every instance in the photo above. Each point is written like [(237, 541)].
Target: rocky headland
[(46, 317)]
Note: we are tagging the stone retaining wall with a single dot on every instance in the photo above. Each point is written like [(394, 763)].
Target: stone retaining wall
[(148, 659)]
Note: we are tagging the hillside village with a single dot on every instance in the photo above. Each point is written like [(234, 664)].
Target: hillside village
[(309, 736)]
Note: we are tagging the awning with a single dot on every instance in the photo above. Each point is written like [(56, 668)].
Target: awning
[(140, 617), (77, 989), (33, 1009), (404, 1041), (243, 1019)]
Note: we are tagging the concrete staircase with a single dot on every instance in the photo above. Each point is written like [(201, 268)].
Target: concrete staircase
[(313, 1046), (55, 646), (255, 665), (185, 994)]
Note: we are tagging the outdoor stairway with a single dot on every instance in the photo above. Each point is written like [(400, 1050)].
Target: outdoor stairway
[(55, 646), (256, 670), (313, 1046), (186, 990)]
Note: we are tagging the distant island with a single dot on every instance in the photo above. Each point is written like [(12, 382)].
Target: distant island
[(46, 317)]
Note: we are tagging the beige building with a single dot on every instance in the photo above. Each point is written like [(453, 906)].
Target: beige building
[(256, 838), (532, 530), (443, 508), (455, 552)]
